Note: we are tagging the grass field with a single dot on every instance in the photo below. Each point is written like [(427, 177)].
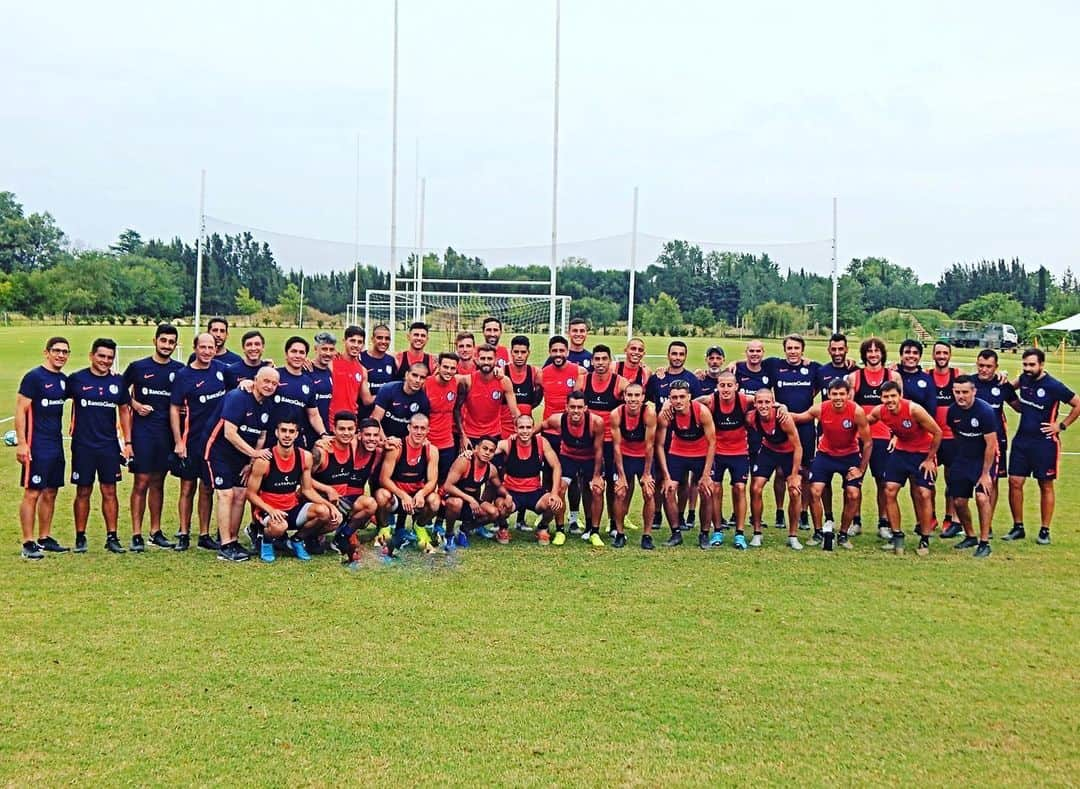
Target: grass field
[(522, 665)]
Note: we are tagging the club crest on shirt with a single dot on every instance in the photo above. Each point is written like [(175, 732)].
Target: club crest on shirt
[(848, 424)]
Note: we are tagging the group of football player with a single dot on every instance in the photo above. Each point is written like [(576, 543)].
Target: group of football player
[(344, 447)]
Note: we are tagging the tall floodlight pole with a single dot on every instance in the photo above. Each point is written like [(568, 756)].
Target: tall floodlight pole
[(199, 251), (420, 251), (393, 188), (300, 316), (356, 243), (835, 271), (555, 179), (633, 272)]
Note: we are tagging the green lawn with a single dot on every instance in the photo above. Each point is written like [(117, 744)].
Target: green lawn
[(522, 665)]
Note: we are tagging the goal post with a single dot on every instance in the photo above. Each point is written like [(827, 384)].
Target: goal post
[(452, 311)]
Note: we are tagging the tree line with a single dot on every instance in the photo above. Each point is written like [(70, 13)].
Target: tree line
[(683, 290)]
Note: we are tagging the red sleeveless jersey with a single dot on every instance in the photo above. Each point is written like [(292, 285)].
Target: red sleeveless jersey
[(558, 383), (687, 435), (443, 398), (910, 437), (483, 402), (839, 435)]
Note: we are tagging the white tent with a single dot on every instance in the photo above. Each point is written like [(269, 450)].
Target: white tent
[(1065, 324)]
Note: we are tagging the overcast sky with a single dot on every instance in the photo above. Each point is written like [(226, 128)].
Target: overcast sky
[(948, 131)]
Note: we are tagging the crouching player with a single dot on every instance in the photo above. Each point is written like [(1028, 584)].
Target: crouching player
[(526, 455), (407, 481), (343, 467), (781, 454), (275, 487), (474, 495), (633, 436), (912, 456)]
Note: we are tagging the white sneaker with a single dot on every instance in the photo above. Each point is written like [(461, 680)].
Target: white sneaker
[(794, 544), (756, 541), (884, 533), (853, 529)]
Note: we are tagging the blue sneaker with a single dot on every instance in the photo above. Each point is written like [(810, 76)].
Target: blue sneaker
[(485, 532), (461, 539), (408, 536), (740, 542), (717, 539), (449, 546), (440, 532), (266, 550), (299, 550)]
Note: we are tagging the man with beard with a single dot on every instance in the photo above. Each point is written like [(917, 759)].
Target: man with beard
[(526, 381), (380, 365), (558, 378), (399, 401), (39, 412), (443, 393), (194, 409), (342, 470), (632, 367), (492, 329), (844, 448), (866, 392), (689, 457), (237, 440), (218, 328), (581, 458), (275, 487), (942, 377), (912, 457), (714, 365), (322, 381), (149, 382), (917, 384), (838, 366), (633, 438), (1036, 446), (603, 391), (349, 389), (526, 454), (483, 395)]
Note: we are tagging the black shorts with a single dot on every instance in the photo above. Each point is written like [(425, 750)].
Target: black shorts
[(101, 464), (295, 517), (824, 466), (963, 480), (223, 474), (634, 469), (769, 462), (609, 462), (526, 501), (879, 458), (44, 471), (150, 450), (446, 460), (573, 468)]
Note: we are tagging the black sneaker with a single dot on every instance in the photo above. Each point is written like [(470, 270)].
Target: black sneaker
[(896, 543), (843, 541), (232, 553), (138, 545), (924, 547), (208, 543), (982, 551), (954, 529), (967, 542), (684, 526), (1044, 536), (646, 542), (183, 542), (159, 540), (49, 545), (315, 546), (619, 541), (703, 541), (780, 524), (818, 537), (31, 550), (248, 552), (252, 532), (80, 542), (1015, 533), (691, 516), (112, 544), (341, 544), (674, 540), (804, 521)]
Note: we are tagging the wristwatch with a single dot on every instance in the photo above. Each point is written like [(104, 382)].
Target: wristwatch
[(1061, 427)]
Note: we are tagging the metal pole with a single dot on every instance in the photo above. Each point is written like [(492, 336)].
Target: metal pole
[(393, 189), (835, 273), (633, 272), (420, 251), (356, 243), (300, 317), (555, 176), (199, 251)]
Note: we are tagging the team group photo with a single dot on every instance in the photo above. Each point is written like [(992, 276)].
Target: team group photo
[(532, 394)]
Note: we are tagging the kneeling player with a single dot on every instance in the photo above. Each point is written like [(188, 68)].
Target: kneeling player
[(343, 467), (407, 481), (780, 454), (912, 456), (274, 488), (526, 455), (633, 437), (474, 494)]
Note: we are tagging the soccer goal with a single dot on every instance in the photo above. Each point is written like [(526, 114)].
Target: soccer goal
[(451, 311)]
